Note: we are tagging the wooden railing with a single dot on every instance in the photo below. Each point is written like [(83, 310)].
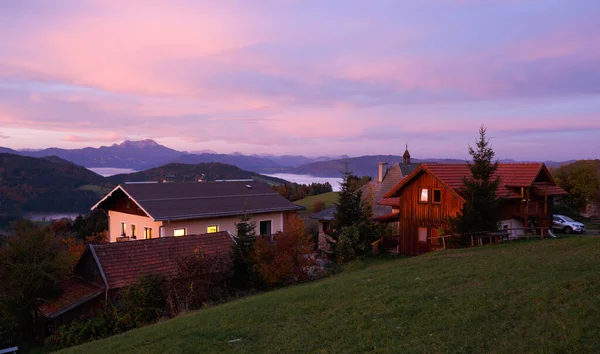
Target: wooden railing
[(477, 239)]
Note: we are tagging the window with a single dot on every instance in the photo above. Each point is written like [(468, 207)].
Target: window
[(179, 232), (424, 195), (265, 227), (212, 228), (423, 234), (133, 231), (437, 196), (147, 233), (123, 229)]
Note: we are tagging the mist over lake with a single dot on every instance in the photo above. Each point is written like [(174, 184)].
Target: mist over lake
[(308, 179), (110, 171)]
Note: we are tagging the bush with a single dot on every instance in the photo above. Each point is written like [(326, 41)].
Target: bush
[(349, 245), (318, 205), (141, 303), (287, 259), (78, 332), (200, 278)]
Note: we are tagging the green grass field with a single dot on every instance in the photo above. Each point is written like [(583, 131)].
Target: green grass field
[(528, 296), (329, 198), (100, 190)]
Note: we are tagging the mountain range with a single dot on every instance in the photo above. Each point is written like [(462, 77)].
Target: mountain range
[(146, 154), (30, 185)]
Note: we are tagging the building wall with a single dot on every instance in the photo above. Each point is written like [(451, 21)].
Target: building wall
[(414, 215), (199, 226), (116, 217)]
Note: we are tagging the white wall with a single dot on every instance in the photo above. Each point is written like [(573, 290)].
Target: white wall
[(115, 219), (512, 224), (199, 226)]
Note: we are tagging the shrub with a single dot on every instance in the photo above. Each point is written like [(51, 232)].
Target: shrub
[(318, 205), (141, 303), (349, 244), (287, 258), (78, 332), (200, 278)]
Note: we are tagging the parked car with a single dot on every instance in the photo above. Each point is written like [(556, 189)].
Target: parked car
[(566, 224)]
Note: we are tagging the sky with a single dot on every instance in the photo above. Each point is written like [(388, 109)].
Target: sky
[(334, 77)]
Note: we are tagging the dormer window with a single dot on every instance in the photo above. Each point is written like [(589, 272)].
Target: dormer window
[(424, 195)]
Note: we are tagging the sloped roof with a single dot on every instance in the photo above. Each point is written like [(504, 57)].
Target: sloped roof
[(512, 175), (122, 263), (374, 191), (178, 201), (74, 292), (325, 214)]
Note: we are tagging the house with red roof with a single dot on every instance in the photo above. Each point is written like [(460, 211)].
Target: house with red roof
[(139, 211), (423, 202), (104, 269)]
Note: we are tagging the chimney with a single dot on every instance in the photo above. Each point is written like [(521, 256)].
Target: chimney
[(382, 171)]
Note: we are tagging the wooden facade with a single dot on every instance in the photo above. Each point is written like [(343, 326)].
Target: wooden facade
[(425, 200), (424, 218)]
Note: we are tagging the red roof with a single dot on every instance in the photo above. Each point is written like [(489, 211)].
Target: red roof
[(122, 263), (74, 292), (512, 175)]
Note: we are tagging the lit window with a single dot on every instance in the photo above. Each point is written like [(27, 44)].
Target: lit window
[(147, 233), (133, 234), (179, 232), (265, 227), (423, 234), (424, 196), (212, 228), (123, 228), (437, 196)]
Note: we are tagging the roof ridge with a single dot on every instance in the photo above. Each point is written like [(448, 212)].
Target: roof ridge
[(163, 238)]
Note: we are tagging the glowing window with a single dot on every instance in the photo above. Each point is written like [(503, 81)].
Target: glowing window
[(147, 233), (179, 232), (123, 228), (424, 196), (212, 228)]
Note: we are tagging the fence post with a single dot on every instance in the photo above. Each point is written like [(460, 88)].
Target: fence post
[(444, 242)]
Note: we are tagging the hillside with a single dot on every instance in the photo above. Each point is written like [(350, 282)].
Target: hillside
[(30, 184), (53, 185), (179, 172), (537, 296)]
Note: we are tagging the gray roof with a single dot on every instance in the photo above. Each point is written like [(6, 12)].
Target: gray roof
[(178, 201), (374, 191), (325, 214)]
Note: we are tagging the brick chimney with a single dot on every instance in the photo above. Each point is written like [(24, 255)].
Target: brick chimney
[(382, 171)]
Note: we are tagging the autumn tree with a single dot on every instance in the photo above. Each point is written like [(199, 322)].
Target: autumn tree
[(32, 261), (481, 209), (581, 179), (285, 259)]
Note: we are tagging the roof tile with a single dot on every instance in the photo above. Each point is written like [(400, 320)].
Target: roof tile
[(124, 262)]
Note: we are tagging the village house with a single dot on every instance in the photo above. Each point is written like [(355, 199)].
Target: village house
[(423, 202), (138, 211), (372, 193), (104, 269)]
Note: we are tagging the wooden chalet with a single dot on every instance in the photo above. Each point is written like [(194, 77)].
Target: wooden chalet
[(424, 201)]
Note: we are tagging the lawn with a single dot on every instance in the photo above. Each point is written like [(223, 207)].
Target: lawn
[(100, 190), (527, 296), (329, 198)]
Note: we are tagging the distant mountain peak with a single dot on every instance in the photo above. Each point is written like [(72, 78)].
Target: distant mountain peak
[(139, 143)]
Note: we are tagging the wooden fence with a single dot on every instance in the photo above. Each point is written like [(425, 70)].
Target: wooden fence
[(492, 237)]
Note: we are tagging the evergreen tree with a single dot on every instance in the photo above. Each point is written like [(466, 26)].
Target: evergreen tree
[(243, 274), (481, 210), (348, 209)]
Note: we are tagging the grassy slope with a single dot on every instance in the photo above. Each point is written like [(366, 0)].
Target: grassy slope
[(521, 297), (329, 199)]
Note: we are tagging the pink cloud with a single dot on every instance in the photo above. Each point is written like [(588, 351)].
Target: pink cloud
[(109, 137)]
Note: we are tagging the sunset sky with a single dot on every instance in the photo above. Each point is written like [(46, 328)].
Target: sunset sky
[(304, 77)]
